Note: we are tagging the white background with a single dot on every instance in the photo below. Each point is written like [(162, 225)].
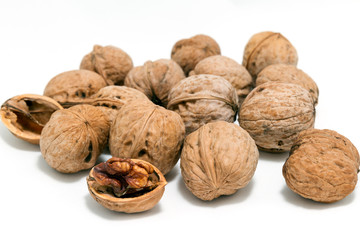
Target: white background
[(40, 39)]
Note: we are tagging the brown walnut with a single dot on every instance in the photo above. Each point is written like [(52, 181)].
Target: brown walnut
[(112, 63), (267, 48), (218, 159), (204, 98), (155, 79), (73, 138), (229, 69), (274, 113), (288, 73), (74, 87), (126, 185), (148, 132), (188, 52), (26, 115), (322, 166)]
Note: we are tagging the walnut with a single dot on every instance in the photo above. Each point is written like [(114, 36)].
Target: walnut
[(155, 79), (288, 73), (126, 185), (229, 69), (188, 52), (111, 98), (322, 166), (267, 48), (201, 99), (74, 87), (274, 113), (148, 132), (26, 115), (218, 159), (112, 63), (73, 138)]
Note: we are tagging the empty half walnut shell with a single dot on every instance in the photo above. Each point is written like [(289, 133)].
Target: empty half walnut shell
[(26, 115), (126, 185)]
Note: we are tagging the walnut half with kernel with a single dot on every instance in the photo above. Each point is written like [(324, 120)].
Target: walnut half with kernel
[(126, 185)]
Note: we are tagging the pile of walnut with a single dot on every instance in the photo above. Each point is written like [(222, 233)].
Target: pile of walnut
[(151, 114)]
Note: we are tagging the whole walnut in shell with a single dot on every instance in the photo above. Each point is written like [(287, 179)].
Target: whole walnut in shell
[(112, 63), (188, 52), (322, 166), (229, 69), (74, 87), (267, 48), (73, 138), (148, 132), (203, 98), (155, 79), (274, 113), (218, 159), (126, 185), (112, 98), (26, 115), (288, 73)]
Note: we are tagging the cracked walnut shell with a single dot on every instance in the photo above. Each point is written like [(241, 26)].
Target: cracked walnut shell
[(73, 138), (267, 48), (288, 73), (274, 113), (229, 69), (188, 52), (203, 98), (218, 159), (126, 185), (148, 132), (112, 63), (74, 87), (26, 115), (155, 79), (322, 166)]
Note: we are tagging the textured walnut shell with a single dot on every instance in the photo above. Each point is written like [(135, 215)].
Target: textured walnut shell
[(274, 113), (288, 73), (148, 132), (112, 63), (322, 166), (155, 79), (74, 87), (188, 52), (112, 98), (229, 69), (128, 205), (73, 138), (218, 159), (267, 48), (26, 115), (201, 99)]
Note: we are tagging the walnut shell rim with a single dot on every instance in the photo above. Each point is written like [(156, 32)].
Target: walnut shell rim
[(27, 136), (129, 205)]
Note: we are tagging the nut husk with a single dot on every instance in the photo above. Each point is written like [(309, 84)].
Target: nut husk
[(322, 166), (218, 159), (155, 79), (74, 87), (274, 113), (73, 138), (132, 204), (148, 132), (229, 69), (288, 73), (188, 52), (26, 115), (203, 98), (267, 48), (112, 63)]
